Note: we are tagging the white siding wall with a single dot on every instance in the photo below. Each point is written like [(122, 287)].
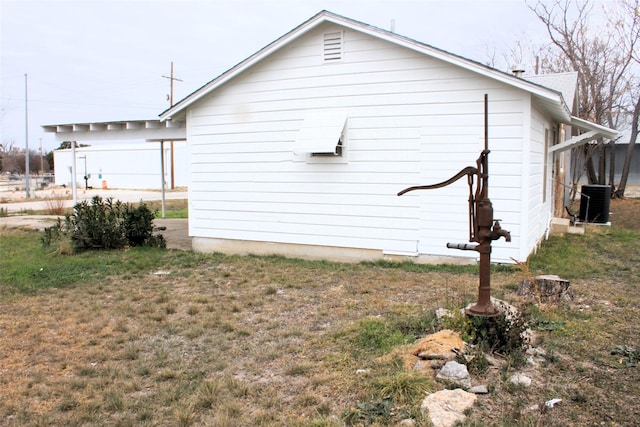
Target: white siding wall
[(538, 210), (412, 120), (454, 141), (131, 166)]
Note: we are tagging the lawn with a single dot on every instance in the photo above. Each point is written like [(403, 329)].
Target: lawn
[(166, 337)]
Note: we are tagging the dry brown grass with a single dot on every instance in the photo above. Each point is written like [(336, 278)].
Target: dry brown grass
[(55, 202), (266, 341), (263, 330)]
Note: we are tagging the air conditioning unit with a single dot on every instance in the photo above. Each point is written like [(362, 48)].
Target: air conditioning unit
[(594, 203)]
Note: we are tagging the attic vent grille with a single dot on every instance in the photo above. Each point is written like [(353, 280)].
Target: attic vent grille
[(332, 46)]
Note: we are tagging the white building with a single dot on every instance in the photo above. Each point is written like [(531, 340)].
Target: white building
[(301, 148), (126, 166)]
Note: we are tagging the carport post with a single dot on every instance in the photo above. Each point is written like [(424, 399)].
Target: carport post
[(74, 187), (162, 175)]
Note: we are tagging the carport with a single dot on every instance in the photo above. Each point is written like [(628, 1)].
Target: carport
[(147, 130)]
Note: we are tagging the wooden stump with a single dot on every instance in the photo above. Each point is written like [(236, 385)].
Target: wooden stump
[(548, 288)]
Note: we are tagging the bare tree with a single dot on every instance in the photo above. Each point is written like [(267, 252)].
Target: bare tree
[(12, 158), (627, 20), (603, 55)]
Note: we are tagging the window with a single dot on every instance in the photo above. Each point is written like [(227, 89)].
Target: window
[(322, 135), (332, 46), (337, 151)]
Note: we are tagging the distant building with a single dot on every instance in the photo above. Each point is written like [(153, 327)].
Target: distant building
[(127, 166)]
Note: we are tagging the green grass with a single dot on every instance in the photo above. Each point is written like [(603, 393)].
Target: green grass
[(27, 266), (174, 214), (600, 253)]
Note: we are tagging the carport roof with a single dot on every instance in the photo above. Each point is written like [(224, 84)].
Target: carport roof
[(148, 130)]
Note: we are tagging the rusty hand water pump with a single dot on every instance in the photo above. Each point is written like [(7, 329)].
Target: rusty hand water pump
[(483, 228)]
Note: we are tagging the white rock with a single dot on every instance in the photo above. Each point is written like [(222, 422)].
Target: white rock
[(162, 273), (532, 361), (446, 407), (456, 373), (553, 402), (520, 379), (443, 312)]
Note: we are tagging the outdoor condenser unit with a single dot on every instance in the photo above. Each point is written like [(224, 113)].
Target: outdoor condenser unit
[(594, 203)]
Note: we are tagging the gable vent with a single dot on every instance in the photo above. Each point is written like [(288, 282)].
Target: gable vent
[(332, 46)]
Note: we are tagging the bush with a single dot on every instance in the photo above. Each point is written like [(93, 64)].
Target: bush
[(504, 334), (105, 224)]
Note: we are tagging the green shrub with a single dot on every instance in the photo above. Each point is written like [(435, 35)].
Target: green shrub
[(138, 226), (503, 334), (105, 224), (97, 225)]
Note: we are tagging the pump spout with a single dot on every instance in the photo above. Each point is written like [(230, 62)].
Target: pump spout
[(497, 232)]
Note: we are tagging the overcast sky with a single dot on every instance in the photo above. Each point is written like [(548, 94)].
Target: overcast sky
[(104, 60)]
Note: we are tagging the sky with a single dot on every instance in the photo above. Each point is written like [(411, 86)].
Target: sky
[(92, 60)]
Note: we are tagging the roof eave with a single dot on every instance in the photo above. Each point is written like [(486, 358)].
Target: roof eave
[(603, 131)]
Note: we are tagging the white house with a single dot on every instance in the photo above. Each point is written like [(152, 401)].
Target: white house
[(301, 148), (124, 166)]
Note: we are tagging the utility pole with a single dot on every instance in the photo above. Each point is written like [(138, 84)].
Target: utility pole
[(172, 78), (27, 172), (41, 159)]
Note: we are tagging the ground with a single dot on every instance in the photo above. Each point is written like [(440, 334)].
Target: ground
[(177, 338)]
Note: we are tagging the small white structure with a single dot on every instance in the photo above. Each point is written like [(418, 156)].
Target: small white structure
[(126, 166)]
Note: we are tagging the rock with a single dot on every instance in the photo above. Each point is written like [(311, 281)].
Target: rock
[(443, 312), (439, 345), (494, 361), (162, 273), (553, 402), (479, 389), (446, 407), (455, 373), (407, 422), (536, 351), (428, 365), (549, 288), (520, 379), (532, 361), (436, 356)]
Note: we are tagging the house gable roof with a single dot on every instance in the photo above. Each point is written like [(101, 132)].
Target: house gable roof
[(551, 99), (565, 83)]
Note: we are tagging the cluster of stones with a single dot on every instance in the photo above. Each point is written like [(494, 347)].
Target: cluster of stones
[(439, 353)]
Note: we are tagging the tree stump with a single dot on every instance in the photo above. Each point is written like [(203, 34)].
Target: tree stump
[(547, 288)]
